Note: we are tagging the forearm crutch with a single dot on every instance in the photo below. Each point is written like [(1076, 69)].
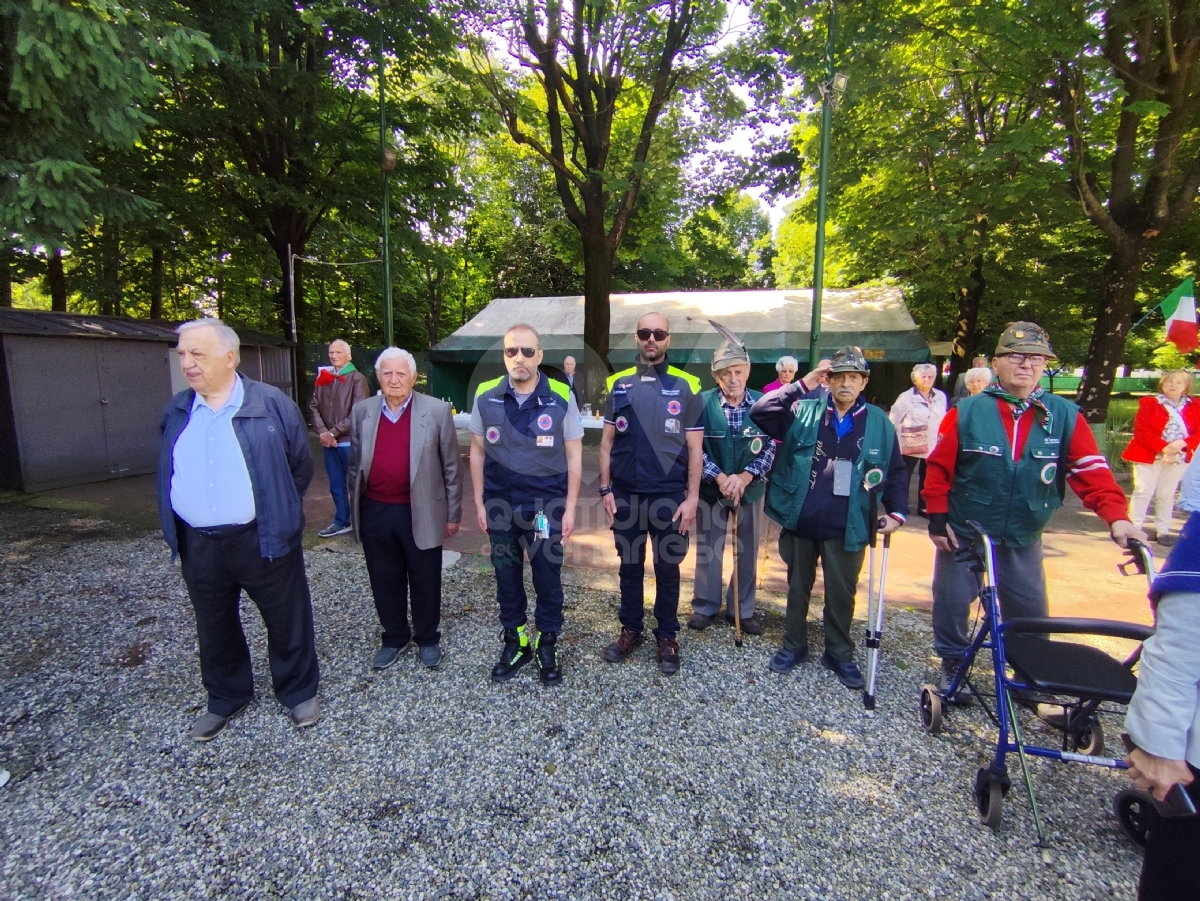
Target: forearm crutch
[(874, 631)]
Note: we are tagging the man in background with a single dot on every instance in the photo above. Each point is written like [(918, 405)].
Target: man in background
[(338, 387)]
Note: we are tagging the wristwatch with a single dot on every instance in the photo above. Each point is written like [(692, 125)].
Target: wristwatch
[(605, 490)]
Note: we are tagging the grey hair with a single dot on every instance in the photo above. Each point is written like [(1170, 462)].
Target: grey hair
[(390, 353), (979, 372), (785, 361), (525, 327), (337, 341), (924, 369), (227, 337)]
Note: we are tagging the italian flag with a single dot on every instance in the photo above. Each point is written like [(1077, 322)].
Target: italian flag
[(1180, 311)]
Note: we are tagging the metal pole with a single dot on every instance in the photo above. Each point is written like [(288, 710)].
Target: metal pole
[(814, 331), (387, 250)]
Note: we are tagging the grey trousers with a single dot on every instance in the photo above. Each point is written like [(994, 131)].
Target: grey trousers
[(712, 525), (1020, 577), (840, 569)]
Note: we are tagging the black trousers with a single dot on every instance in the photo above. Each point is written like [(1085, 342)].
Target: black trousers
[(398, 568), (1171, 868), (640, 516), (911, 463), (216, 568)]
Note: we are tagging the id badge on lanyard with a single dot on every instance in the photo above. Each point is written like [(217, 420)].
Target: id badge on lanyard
[(843, 470)]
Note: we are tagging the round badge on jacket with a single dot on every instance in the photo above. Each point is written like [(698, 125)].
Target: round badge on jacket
[(756, 446), (492, 435), (1049, 471), (545, 422), (674, 407), (622, 423), (873, 478)]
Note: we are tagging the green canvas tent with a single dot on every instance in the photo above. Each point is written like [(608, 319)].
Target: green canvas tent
[(772, 323)]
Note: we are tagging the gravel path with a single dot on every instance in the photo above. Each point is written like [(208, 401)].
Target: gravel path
[(725, 781)]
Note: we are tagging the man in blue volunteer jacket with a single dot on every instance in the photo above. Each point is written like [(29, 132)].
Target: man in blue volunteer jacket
[(651, 457), (232, 472), (526, 459), (836, 452)]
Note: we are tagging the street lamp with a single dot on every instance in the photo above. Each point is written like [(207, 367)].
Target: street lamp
[(831, 90)]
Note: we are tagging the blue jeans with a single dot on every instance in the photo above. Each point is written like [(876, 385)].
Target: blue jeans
[(337, 467)]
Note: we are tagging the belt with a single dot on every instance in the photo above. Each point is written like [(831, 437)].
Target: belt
[(224, 531)]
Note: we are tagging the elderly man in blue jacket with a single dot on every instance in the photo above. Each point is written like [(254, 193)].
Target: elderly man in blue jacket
[(232, 472)]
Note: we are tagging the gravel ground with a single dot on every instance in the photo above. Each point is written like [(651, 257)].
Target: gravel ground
[(724, 781)]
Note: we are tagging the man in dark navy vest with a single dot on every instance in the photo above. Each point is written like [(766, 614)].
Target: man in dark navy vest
[(1004, 458), (737, 458), (836, 451), (526, 459), (651, 457)]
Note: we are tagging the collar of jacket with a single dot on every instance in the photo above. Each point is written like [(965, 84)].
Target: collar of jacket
[(660, 369)]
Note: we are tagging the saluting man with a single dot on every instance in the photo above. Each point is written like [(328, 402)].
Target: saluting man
[(651, 455), (526, 459), (835, 451), (737, 458)]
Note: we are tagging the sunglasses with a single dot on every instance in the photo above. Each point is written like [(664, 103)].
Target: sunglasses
[(644, 334), (527, 352)]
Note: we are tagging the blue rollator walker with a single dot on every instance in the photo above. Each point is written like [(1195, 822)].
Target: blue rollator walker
[(1031, 666)]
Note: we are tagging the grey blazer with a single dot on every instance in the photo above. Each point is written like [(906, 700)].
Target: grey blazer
[(434, 473)]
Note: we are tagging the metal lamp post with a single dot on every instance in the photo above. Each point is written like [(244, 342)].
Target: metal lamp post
[(831, 93)]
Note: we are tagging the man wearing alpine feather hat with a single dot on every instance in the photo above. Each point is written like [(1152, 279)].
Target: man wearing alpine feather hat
[(839, 454), (1004, 459), (737, 458)]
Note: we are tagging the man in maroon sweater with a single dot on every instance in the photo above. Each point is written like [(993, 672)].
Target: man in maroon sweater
[(407, 499)]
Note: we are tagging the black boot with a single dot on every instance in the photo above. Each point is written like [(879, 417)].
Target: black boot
[(547, 658), (515, 655)]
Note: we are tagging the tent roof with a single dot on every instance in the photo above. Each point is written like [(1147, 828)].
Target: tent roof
[(771, 323)]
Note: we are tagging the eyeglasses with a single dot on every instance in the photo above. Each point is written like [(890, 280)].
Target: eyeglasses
[(659, 334), (527, 352), (1031, 359)]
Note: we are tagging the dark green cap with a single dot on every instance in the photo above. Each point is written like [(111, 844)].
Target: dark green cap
[(1024, 338), (849, 359)]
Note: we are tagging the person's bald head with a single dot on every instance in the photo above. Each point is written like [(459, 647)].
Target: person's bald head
[(657, 331)]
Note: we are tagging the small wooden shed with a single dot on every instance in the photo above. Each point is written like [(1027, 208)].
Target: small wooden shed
[(81, 396)]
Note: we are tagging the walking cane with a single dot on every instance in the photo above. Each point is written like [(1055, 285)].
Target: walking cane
[(874, 606), (737, 603)]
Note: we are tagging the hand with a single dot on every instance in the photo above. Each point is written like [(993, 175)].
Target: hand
[(686, 514), (610, 507), (888, 525), (327, 440), (1156, 774), (1123, 530), (735, 486), (451, 529), (568, 522), (480, 514)]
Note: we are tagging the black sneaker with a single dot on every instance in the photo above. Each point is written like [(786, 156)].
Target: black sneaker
[(546, 650), (517, 652), (623, 646), (846, 671), (333, 530)]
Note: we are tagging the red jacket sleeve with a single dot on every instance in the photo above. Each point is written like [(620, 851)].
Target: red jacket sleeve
[(1089, 476), (1191, 418), (939, 474)]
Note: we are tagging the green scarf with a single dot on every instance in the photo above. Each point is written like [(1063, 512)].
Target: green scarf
[(1034, 400), (346, 370)]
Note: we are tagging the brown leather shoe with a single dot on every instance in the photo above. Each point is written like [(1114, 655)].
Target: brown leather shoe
[(699, 621), (623, 646), (668, 656)]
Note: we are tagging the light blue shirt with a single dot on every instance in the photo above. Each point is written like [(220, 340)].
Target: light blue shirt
[(210, 484), (395, 417), (1189, 496)]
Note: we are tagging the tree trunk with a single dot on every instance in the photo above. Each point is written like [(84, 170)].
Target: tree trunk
[(110, 268), (156, 282), (434, 278), (291, 306), (970, 297), (597, 315), (1113, 318), (56, 280), (5, 277)]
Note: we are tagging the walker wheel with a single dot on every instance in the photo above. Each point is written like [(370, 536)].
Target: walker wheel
[(1134, 811), (931, 709), (989, 799), (1090, 739)]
